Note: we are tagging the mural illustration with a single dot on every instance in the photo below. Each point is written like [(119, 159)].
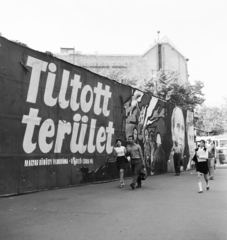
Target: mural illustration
[(190, 137), (60, 122), (156, 125), (178, 133)]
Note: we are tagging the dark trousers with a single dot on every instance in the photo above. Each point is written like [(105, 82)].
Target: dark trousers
[(177, 159), (136, 168)]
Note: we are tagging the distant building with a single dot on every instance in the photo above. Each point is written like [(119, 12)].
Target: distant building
[(162, 55)]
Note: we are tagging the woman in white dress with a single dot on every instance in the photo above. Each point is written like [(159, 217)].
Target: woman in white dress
[(119, 152), (202, 167)]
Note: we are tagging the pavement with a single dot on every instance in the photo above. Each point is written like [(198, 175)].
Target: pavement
[(166, 207), (221, 166)]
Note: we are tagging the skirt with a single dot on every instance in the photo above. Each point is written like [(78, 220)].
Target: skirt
[(202, 167), (121, 163)]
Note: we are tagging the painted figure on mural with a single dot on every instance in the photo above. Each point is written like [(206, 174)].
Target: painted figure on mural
[(159, 156), (145, 120), (149, 148), (141, 122), (133, 113), (178, 134), (134, 101), (153, 149), (155, 123), (191, 138), (135, 135)]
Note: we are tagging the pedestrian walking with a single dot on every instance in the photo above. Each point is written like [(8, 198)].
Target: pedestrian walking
[(211, 158), (120, 152), (202, 167), (177, 157), (137, 161)]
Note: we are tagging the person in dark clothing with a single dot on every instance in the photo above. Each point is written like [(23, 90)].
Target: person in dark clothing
[(137, 161), (177, 157)]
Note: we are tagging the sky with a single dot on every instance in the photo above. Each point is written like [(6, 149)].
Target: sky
[(198, 28)]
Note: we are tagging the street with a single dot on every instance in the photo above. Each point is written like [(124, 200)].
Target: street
[(166, 207)]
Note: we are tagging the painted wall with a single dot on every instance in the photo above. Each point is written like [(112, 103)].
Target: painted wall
[(59, 123)]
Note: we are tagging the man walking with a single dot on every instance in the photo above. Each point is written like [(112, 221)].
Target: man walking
[(177, 157), (137, 161)]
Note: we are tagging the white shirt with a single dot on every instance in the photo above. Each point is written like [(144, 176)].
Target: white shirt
[(120, 151), (202, 155)]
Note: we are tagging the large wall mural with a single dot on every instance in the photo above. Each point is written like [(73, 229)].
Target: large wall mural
[(156, 125), (59, 123)]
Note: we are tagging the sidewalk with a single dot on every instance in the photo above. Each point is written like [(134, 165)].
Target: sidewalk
[(166, 207), (218, 166)]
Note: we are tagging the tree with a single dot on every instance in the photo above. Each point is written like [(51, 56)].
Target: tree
[(212, 119), (118, 76), (166, 86)]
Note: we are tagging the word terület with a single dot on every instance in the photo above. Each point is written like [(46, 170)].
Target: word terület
[(83, 98)]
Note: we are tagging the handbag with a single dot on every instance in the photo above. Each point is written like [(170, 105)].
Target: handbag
[(143, 174), (194, 159)]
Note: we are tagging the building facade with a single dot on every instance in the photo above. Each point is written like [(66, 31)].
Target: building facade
[(162, 55)]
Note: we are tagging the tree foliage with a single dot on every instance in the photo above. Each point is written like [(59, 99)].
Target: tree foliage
[(211, 119), (118, 76), (166, 86)]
